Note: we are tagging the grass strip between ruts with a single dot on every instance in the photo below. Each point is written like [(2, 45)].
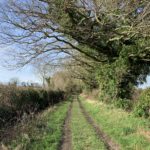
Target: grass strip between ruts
[(83, 135)]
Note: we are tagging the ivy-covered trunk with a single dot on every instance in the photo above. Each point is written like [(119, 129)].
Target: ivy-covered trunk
[(116, 80)]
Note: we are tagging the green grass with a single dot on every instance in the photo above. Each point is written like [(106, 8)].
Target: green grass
[(83, 135), (45, 132), (122, 126)]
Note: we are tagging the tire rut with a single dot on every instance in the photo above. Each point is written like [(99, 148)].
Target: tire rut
[(109, 143), (66, 141)]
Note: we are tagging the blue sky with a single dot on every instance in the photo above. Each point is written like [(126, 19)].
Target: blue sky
[(26, 74), (147, 84)]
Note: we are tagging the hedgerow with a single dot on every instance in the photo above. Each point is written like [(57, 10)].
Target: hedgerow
[(17, 101)]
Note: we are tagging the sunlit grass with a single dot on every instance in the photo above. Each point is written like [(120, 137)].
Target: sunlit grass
[(122, 126)]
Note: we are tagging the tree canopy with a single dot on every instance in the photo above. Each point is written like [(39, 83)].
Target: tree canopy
[(111, 37)]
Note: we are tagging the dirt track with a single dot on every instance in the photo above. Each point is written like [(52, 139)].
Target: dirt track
[(66, 139)]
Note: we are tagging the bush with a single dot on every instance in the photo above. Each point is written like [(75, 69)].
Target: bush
[(142, 107), (123, 103)]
